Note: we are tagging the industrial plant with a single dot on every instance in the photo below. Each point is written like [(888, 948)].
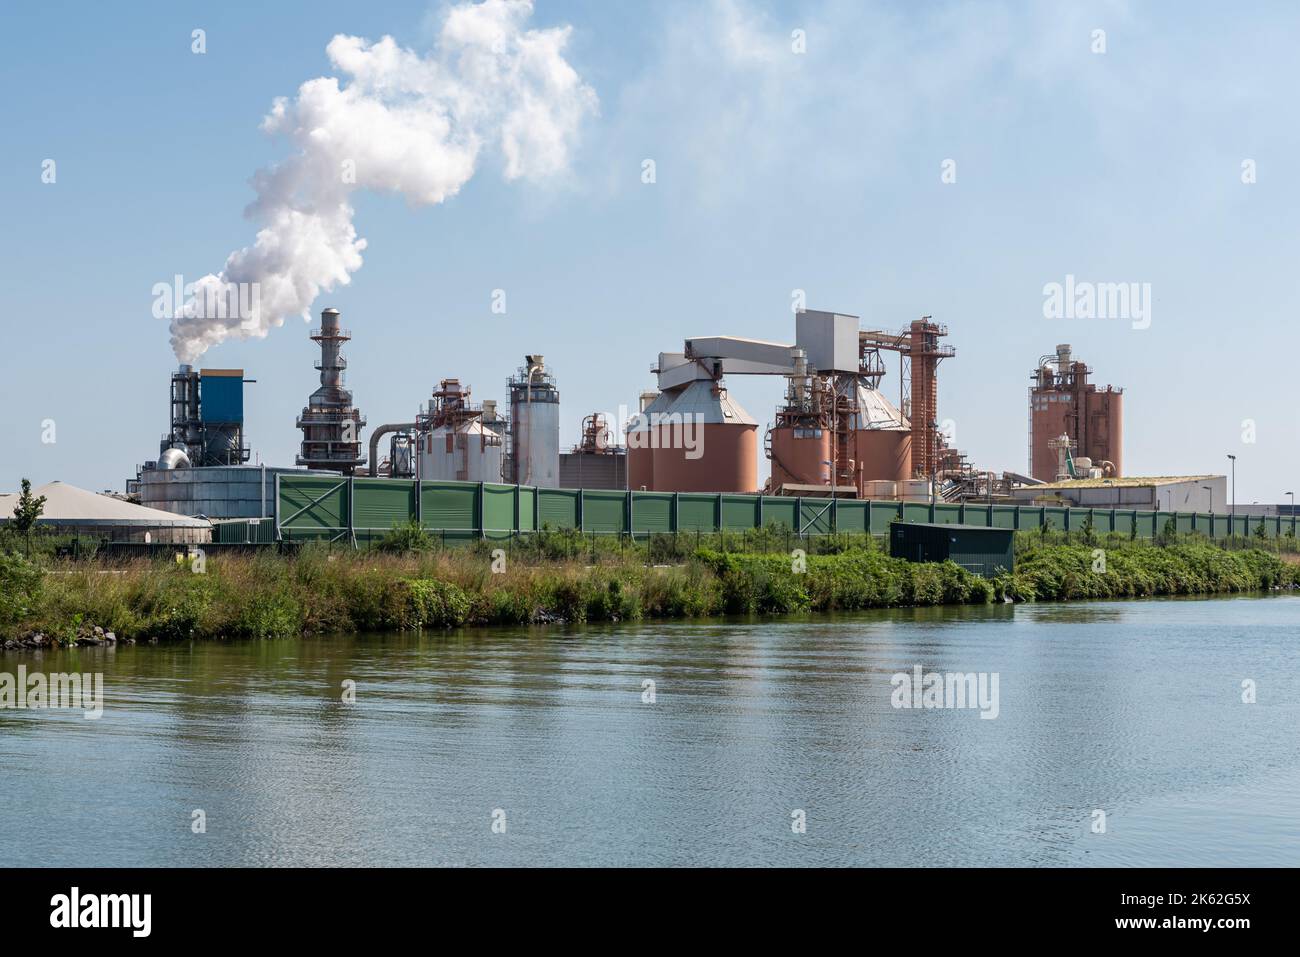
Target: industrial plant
[(858, 419)]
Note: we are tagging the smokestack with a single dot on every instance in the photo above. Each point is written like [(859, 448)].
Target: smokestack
[(331, 426), (1063, 359)]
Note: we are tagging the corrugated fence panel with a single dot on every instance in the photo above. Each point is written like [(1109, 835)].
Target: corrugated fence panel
[(604, 511), (451, 508), (310, 503), (947, 514), (851, 517), (527, 502), (557, 507), (815, 516), (498, 511), (779, 510), (382, 503), (317, 507), (697, 512), (652, 512), (739, 512), (916, 512), (882, 513)]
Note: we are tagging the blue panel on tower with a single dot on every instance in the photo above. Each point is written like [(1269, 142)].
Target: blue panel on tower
[(221, 395)]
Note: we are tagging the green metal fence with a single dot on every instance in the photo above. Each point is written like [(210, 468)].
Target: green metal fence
[(360, 511)]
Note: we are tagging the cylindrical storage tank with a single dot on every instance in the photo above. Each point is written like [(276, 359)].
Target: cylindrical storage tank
[(642, 436), (914, 490), (881, 489), (799, 456), (535, 426), (706, 443), (729, 464), (883, 454), (1051, 416), (1106, 428), (464, 453)]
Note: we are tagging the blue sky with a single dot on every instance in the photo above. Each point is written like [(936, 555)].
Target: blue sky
[(775, 171)]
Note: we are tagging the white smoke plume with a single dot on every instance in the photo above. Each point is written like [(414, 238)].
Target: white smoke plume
[(402, 122)]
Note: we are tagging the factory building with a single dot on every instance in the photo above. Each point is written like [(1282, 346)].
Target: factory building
[(207, 419), (216, 492), (331, 426), (836, 432), (74, 511), (1063, 403), (1189, 493), (595, 462)]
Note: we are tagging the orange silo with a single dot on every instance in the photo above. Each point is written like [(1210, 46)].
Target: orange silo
[(881, 435), (704, 442), (883, 454), (799, 454), (642, 438)]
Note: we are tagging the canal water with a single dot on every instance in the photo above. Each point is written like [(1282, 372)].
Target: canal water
[(758, 742)]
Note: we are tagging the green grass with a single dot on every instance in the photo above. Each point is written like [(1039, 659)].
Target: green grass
[(562, 577)]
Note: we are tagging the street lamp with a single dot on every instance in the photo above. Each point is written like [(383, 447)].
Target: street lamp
[(1232, 521)]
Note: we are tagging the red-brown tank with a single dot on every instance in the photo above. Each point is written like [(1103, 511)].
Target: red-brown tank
[(643, 438), (705, 442), (799, 455), (883, 454), (728, 463), (640, 469)]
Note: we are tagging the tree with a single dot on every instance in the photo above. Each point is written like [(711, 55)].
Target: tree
[(1089, 530), (27, 511)]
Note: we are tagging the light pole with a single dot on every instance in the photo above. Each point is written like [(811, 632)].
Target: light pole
[(830, 470), (1232, 521), (1292, 494)]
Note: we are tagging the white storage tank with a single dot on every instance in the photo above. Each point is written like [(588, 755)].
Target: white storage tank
[(463, 452), (534, 426)]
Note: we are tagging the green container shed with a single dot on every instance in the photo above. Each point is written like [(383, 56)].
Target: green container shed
[(976, 548)]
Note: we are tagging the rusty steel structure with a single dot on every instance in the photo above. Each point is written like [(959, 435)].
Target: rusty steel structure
[(919, 352), (1063, 402), (454, 439), (596, 436), (331, 425)]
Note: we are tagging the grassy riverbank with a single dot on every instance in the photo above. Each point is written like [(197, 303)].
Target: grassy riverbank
[(268, 595)]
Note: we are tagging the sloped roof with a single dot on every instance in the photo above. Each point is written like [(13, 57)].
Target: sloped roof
[(698, 398), (1133, 481), (69, 505), (878, 412)]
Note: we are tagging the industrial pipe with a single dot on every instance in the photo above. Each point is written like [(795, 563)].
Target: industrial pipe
[(379, 433)]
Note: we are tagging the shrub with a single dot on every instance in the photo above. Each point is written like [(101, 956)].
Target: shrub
[(404, 539), (438, 604), (20, 588)]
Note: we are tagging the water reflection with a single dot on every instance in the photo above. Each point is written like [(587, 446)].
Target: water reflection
[(1131, 707)]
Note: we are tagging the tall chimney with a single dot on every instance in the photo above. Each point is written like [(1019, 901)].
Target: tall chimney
[(331, 426)]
